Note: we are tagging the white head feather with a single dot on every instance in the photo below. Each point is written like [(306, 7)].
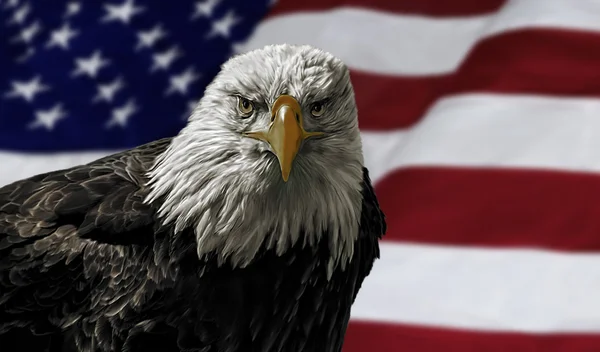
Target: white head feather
[(229, 187)]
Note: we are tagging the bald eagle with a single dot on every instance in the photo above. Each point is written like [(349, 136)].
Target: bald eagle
[(250, 230)]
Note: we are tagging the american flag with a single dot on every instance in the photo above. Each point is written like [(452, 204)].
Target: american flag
[(480, 122)]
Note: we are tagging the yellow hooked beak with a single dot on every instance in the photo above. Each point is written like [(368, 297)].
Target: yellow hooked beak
[(285, 133)]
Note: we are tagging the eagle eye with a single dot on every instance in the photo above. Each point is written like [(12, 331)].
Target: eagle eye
[(245, 106), (317, 109)]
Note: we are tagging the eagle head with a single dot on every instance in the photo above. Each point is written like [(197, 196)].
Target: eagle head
[(271, 157)]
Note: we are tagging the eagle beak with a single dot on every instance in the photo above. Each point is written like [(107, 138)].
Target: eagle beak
[(285, 133)]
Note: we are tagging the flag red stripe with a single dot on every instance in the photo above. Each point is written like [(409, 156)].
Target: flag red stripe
[(421, 7), (381, 337), (386, 102), (498, 207), (538, 61), (535, 61)]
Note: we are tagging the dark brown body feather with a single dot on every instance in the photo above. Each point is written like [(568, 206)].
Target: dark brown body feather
[(84, 266)]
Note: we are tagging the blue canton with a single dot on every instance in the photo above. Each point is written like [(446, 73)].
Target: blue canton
[(114, 74)]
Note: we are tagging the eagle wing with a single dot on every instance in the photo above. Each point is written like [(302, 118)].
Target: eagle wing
[(59, 233), (372, 228)]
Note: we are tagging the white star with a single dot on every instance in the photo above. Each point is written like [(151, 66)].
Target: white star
[(123, 12), (27, 34), (204, 8), (180, 83), (73, 8), (164, 59), (27, 90), (60, 37), (122, 114), (20, 15), (91, 65), (47, 118), (223, 26), (147, 38), (107, 91)]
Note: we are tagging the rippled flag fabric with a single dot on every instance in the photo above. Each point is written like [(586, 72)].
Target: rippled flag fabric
[(479, 120)]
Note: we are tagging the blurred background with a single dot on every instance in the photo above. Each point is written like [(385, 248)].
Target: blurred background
[(480, 122)]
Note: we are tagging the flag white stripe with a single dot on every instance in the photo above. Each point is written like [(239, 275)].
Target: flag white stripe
[(400, 44), (376, 41), (482, 289), (488, 130), (16, 166)]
